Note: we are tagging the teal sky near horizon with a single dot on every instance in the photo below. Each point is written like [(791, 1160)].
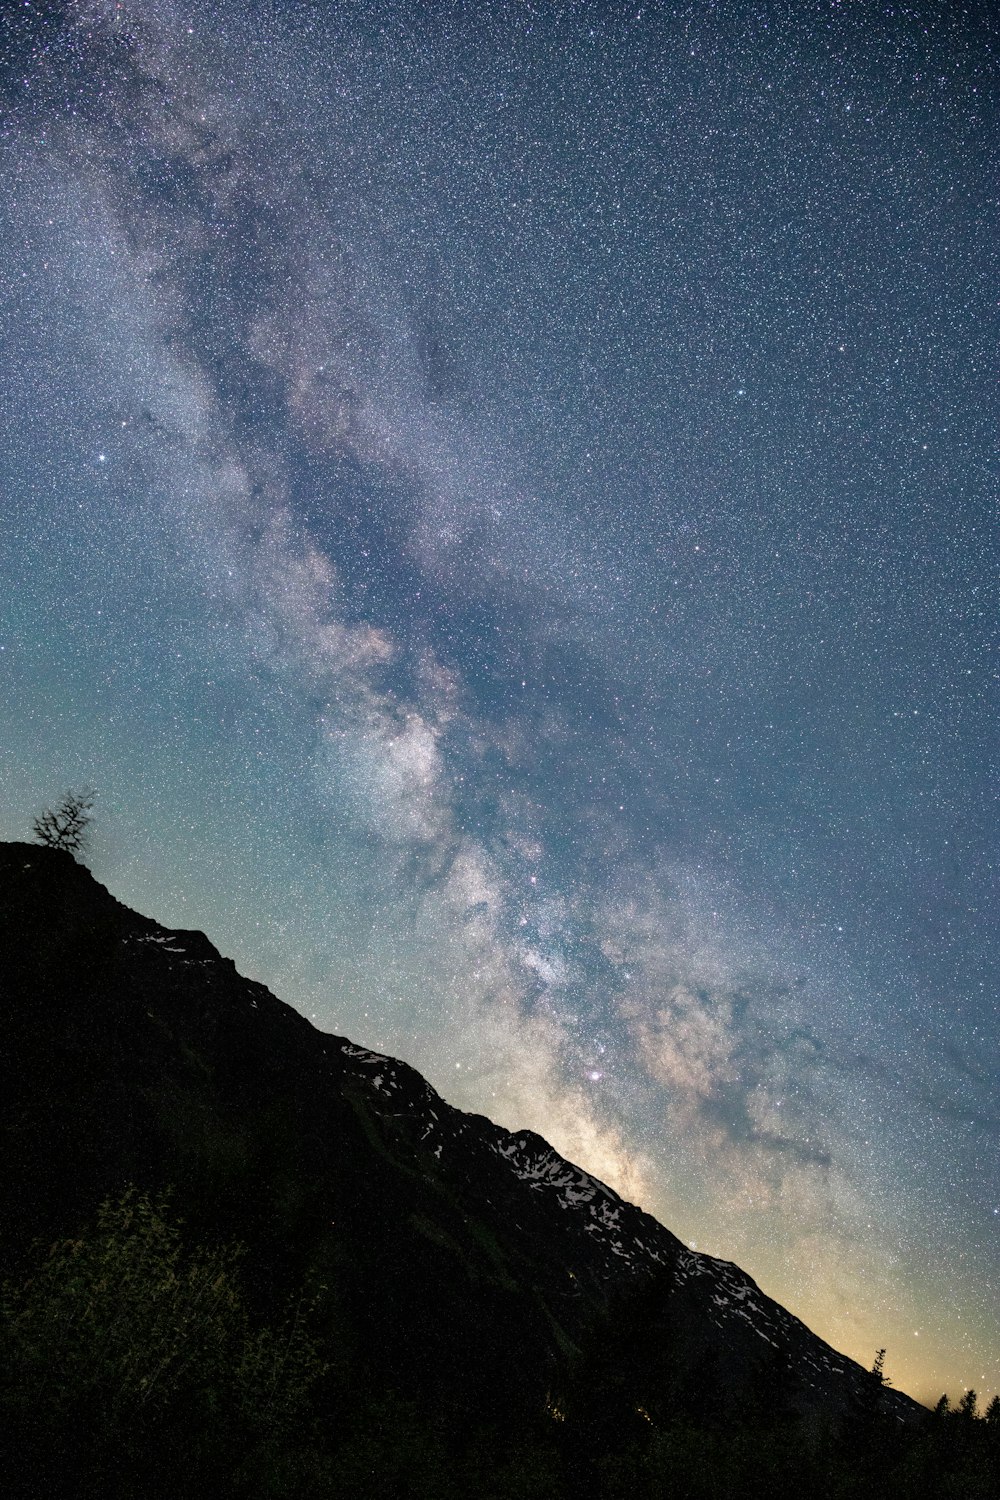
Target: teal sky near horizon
[(501, 503)]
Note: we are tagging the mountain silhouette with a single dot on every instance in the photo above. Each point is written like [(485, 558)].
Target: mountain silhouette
[(469, 1268)]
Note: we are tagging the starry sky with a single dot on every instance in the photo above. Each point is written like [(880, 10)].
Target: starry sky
[(500, 502)]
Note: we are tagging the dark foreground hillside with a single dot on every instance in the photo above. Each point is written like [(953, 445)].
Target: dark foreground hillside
[(370, 1292)]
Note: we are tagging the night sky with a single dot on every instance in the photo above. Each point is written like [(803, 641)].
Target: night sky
[(500, 502)]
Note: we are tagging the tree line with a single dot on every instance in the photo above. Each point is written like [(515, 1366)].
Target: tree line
[(134, 1362)]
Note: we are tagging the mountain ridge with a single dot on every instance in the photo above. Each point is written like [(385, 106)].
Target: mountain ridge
[(473, 1259)]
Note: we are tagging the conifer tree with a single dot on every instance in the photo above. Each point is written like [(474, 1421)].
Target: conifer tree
[(967, 1406)]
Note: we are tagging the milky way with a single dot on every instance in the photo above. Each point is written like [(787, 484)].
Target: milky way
[(501, 504)]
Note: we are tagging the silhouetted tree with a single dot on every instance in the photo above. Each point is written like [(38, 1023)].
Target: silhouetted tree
[(967, 1407), (66, 826)]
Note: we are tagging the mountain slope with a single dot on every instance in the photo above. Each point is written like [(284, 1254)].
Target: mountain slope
[(466, 1263)]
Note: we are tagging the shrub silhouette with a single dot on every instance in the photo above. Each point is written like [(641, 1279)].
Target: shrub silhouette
[(66, 826), (129, 1357)]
